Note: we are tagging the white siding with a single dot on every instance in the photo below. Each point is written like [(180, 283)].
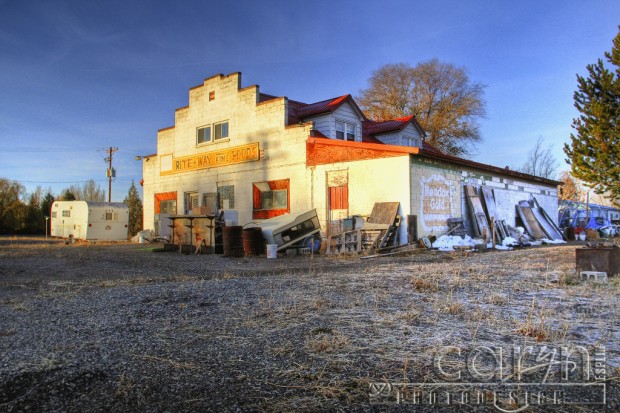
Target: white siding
[(390, 138), (326, 124), (409, 136)]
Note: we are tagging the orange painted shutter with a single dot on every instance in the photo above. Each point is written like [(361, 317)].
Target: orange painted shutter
[(339, 197)]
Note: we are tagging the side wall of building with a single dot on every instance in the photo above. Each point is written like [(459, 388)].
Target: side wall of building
[(437, 194), (368, 181)]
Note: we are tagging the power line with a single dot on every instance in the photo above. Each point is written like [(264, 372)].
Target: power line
[(49, 149), (61, 182)]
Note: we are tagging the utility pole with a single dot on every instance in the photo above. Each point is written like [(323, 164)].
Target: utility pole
[(110, 173)]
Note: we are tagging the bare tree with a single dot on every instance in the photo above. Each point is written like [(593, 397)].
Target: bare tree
[(540, 161), (572, 189), (441, 97), (88, 191)]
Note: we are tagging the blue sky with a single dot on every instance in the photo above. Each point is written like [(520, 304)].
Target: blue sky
[(78, 76)]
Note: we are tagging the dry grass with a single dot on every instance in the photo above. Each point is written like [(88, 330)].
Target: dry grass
[(326, 340), (424, 285), (319, 337), (536, 324)]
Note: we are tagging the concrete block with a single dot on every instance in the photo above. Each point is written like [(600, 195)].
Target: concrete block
[(598, 277)]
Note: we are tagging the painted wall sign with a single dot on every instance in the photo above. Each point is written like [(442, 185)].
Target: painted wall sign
[(436, 205), (212, 159)]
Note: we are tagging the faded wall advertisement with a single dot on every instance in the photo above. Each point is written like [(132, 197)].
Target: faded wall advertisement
[(436, 205)]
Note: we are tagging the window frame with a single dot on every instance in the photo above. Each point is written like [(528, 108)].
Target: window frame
[(275, 195), (349, 129), (271, 189), (215, 131), (205, 141), (169, 206)]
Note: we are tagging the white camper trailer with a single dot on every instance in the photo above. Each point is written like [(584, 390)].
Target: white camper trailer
[(102, 221), (289, 230)]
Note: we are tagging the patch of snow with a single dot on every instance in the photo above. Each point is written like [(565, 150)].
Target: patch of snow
[(508, 241), (448, 242)]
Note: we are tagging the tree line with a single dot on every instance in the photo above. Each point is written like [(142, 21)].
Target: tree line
[(25, 213)]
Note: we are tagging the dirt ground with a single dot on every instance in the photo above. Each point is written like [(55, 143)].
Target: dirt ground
[(126, 327)]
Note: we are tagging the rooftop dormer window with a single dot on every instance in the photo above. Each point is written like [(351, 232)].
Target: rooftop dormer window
[(345, 131)]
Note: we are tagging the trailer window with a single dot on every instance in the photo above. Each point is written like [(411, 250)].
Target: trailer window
[(66, 213), (53, 214)]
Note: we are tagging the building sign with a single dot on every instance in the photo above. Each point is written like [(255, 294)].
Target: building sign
[(436, 205), (212, 159)]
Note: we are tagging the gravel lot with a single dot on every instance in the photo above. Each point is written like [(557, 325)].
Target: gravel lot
[(123, 327)]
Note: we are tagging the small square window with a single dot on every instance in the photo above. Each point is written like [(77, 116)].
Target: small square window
[(277, 199), (221, 130), (271, 198), (203, 135), (168, 207)]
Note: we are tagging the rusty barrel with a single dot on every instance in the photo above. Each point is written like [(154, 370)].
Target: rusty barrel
[(253, 241), (233, 241)]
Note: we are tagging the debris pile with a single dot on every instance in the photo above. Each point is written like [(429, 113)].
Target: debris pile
[(538, 226)]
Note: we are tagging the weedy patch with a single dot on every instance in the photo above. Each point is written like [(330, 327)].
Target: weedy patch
[(497, 299), (535, 325), (326, 340), (424, 285)]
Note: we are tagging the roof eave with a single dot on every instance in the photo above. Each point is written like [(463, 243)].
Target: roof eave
[(496, 169)]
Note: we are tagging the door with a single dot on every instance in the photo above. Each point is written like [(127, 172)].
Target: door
[(337, 200)]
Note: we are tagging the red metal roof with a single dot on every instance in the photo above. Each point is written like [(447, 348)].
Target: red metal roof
[(324, 106)]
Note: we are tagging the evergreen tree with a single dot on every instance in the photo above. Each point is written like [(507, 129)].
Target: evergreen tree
[(34, 223), (134, 203), (46, 204), (67, 195), (46, 207), (594, 152)]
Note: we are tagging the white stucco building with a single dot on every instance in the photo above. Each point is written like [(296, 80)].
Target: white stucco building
[(234, 147)]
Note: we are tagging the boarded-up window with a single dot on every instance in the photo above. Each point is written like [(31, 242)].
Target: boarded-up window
[(339, 197)]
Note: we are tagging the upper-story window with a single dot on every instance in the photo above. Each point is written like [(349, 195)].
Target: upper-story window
[(345, 131), (221, 130), (203, 135)]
